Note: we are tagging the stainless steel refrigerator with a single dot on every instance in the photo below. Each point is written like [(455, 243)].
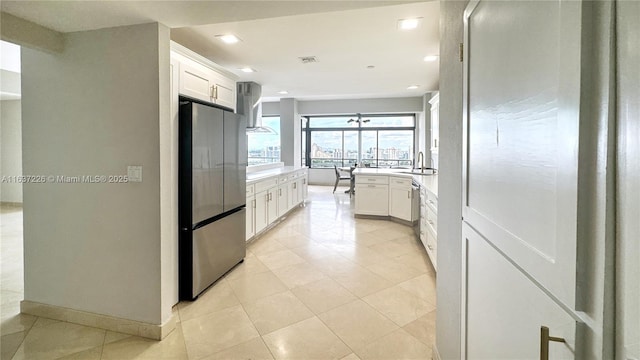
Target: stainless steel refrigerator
[(211, 196)]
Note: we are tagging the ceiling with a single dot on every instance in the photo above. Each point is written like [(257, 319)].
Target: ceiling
[(345, 36)]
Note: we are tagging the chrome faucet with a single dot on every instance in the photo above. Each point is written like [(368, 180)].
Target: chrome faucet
[(421, 160)]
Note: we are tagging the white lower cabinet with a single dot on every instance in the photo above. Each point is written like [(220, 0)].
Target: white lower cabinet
[(251, 208), (394, 196), (274, 197), (283, 199), (272, 205), (400, 201), (429, 224), (372, 195), (305, 186), (293, 194), (260, 211)]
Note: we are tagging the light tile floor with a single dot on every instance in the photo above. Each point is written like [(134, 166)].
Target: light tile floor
[(320, 285)]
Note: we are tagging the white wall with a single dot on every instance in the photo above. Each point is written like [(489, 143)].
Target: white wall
[(628, 269), (449, 283), (92, 110), (290, 128), (350, 106), (11, 151)]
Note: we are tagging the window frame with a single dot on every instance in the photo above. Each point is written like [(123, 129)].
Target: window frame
[(309, 129)]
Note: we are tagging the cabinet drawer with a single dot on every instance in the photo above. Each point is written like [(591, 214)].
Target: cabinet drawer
[(432, 201), (364, 179), (432, 220), (251, 189), (266, 184), (398, 181), (283, 179)]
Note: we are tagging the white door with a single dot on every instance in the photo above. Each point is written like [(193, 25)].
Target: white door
[(520, 210)]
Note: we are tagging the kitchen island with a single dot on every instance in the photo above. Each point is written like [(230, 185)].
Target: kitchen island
[(401, 195)]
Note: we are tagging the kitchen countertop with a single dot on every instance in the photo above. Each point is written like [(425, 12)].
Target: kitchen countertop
[(254, 177), (428, 181)]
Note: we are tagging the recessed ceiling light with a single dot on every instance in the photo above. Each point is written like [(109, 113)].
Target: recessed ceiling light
[(370, 67), (413, 87), (408, 24), (283, 92), (247, 70), (229, 38), (431, 58)]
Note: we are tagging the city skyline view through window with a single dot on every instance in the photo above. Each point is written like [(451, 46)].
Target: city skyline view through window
[(264, 148), (382, 141)]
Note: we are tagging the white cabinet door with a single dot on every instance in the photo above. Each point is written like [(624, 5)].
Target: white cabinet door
[(435, 123), (283, 199), (300, 190), (305, 187), (224, 91), (522, 116), (293, 191), (272, 205), (400, 203), (250, 224), (261, 208), (195, 81), (372, 199)]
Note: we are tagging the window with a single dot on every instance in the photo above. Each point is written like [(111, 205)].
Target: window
[(382, 141), (264, 148)]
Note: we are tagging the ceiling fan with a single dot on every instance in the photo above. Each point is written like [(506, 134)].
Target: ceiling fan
[(360, 120)]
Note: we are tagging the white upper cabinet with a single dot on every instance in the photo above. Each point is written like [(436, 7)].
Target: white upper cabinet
[(435, 123), (202, 79), (224, 91), (195, 80)]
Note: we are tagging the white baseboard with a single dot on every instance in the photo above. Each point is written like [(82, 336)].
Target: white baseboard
[(126, 326)]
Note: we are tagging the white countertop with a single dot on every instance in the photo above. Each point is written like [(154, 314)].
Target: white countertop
[(259, 175), (428, 181)]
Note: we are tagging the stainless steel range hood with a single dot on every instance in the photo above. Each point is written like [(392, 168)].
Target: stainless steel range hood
[(249, 104)]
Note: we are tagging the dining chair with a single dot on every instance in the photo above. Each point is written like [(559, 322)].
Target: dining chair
[(339, 177)]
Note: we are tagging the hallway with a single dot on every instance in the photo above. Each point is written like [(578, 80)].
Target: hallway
[(319, 285)]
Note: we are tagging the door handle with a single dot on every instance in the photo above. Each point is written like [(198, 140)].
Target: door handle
[(544, 342)]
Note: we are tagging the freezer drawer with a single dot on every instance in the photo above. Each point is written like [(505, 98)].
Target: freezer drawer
[(217, 247)]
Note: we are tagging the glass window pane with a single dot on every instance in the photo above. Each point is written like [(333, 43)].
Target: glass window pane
[(395, 148), (389, 121), (326, 149), (303, 141), (264, 148), (350, 148), (331, 122), (369, 148)]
